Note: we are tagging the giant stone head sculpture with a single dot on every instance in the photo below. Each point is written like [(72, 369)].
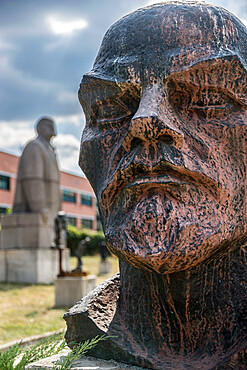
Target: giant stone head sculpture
[(165, 150), (164, 143)]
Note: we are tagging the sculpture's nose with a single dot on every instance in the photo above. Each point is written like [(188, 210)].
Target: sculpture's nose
[(153, 121)]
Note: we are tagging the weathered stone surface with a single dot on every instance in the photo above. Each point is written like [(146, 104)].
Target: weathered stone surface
[(166, 122), (173, 329), (93, 315), (164, 148)]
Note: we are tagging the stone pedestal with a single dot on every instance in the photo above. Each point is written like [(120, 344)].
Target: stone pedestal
[(26, 230), (69, 290), (25, 249), (35, 266), (104, 267)]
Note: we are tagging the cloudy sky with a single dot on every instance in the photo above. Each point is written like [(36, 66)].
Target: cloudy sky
[(45, 48)]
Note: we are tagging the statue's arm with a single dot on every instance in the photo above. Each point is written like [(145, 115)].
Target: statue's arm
[(34, 190)]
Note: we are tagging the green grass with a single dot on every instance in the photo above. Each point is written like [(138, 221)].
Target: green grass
[(91, 265), (27, 310)]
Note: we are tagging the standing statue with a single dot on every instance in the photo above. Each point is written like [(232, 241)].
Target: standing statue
[(37, 188), (164, 148), (27, 235)]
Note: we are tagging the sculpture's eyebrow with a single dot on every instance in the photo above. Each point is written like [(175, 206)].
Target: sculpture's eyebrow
[(229, 74), (95, 89)]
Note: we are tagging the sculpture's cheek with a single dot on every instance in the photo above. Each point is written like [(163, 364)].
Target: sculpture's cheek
[(101, 152)]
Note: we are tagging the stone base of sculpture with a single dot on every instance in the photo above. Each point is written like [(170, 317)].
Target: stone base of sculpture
[(34, 266), (25, 249), (26, 230), (104, 267), (70, 289), (103, 311)]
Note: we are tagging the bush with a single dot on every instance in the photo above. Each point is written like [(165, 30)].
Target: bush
[(75, 235)]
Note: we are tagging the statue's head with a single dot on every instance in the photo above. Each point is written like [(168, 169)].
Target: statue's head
[(165, 142), (46, 128)]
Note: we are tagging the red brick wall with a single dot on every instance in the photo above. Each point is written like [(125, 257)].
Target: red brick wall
[(8, 166), (78, 185)]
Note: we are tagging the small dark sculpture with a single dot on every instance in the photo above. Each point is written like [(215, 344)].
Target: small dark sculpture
[(164, 148), (60, 225), (103, 251), (79, 252)]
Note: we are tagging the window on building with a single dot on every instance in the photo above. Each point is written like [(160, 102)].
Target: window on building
[(69, 196), (71, 220), (87, 200), (3, 210), (88, 224), (4, 182)]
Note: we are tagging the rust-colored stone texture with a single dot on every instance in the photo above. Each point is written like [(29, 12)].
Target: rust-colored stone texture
[(165, 149)]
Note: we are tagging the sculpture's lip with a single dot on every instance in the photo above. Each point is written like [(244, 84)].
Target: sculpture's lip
[(163, 174), (160, 179)]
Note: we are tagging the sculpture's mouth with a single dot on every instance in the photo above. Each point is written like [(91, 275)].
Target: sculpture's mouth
[(163, 174), (156, 179)]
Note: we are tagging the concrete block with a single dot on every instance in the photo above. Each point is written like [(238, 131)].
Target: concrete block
[(28, 237), (35, 266), (26, 230), (2, 265), (69, 290), (29, 219), (45, 237), (21, 266), (8, 220), (104, 267), (8, 239)]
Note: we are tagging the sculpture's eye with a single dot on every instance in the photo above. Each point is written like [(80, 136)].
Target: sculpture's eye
[(204, 102), (179, 95), (212, 103), (113, 112)]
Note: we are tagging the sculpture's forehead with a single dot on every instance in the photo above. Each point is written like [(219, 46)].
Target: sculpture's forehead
[(167, 38)]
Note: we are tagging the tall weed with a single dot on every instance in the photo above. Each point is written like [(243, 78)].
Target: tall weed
[(16, 357)]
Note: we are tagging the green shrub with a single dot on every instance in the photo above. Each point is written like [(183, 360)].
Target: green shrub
[(17, 357), (75, 235)]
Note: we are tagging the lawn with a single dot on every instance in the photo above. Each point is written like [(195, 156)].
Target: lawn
[(27, 310)]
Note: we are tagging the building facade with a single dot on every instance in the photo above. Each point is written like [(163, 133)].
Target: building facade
[(78, 199)]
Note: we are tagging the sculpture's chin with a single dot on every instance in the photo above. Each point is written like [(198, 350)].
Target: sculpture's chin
[(186, 249), (162, 236)]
